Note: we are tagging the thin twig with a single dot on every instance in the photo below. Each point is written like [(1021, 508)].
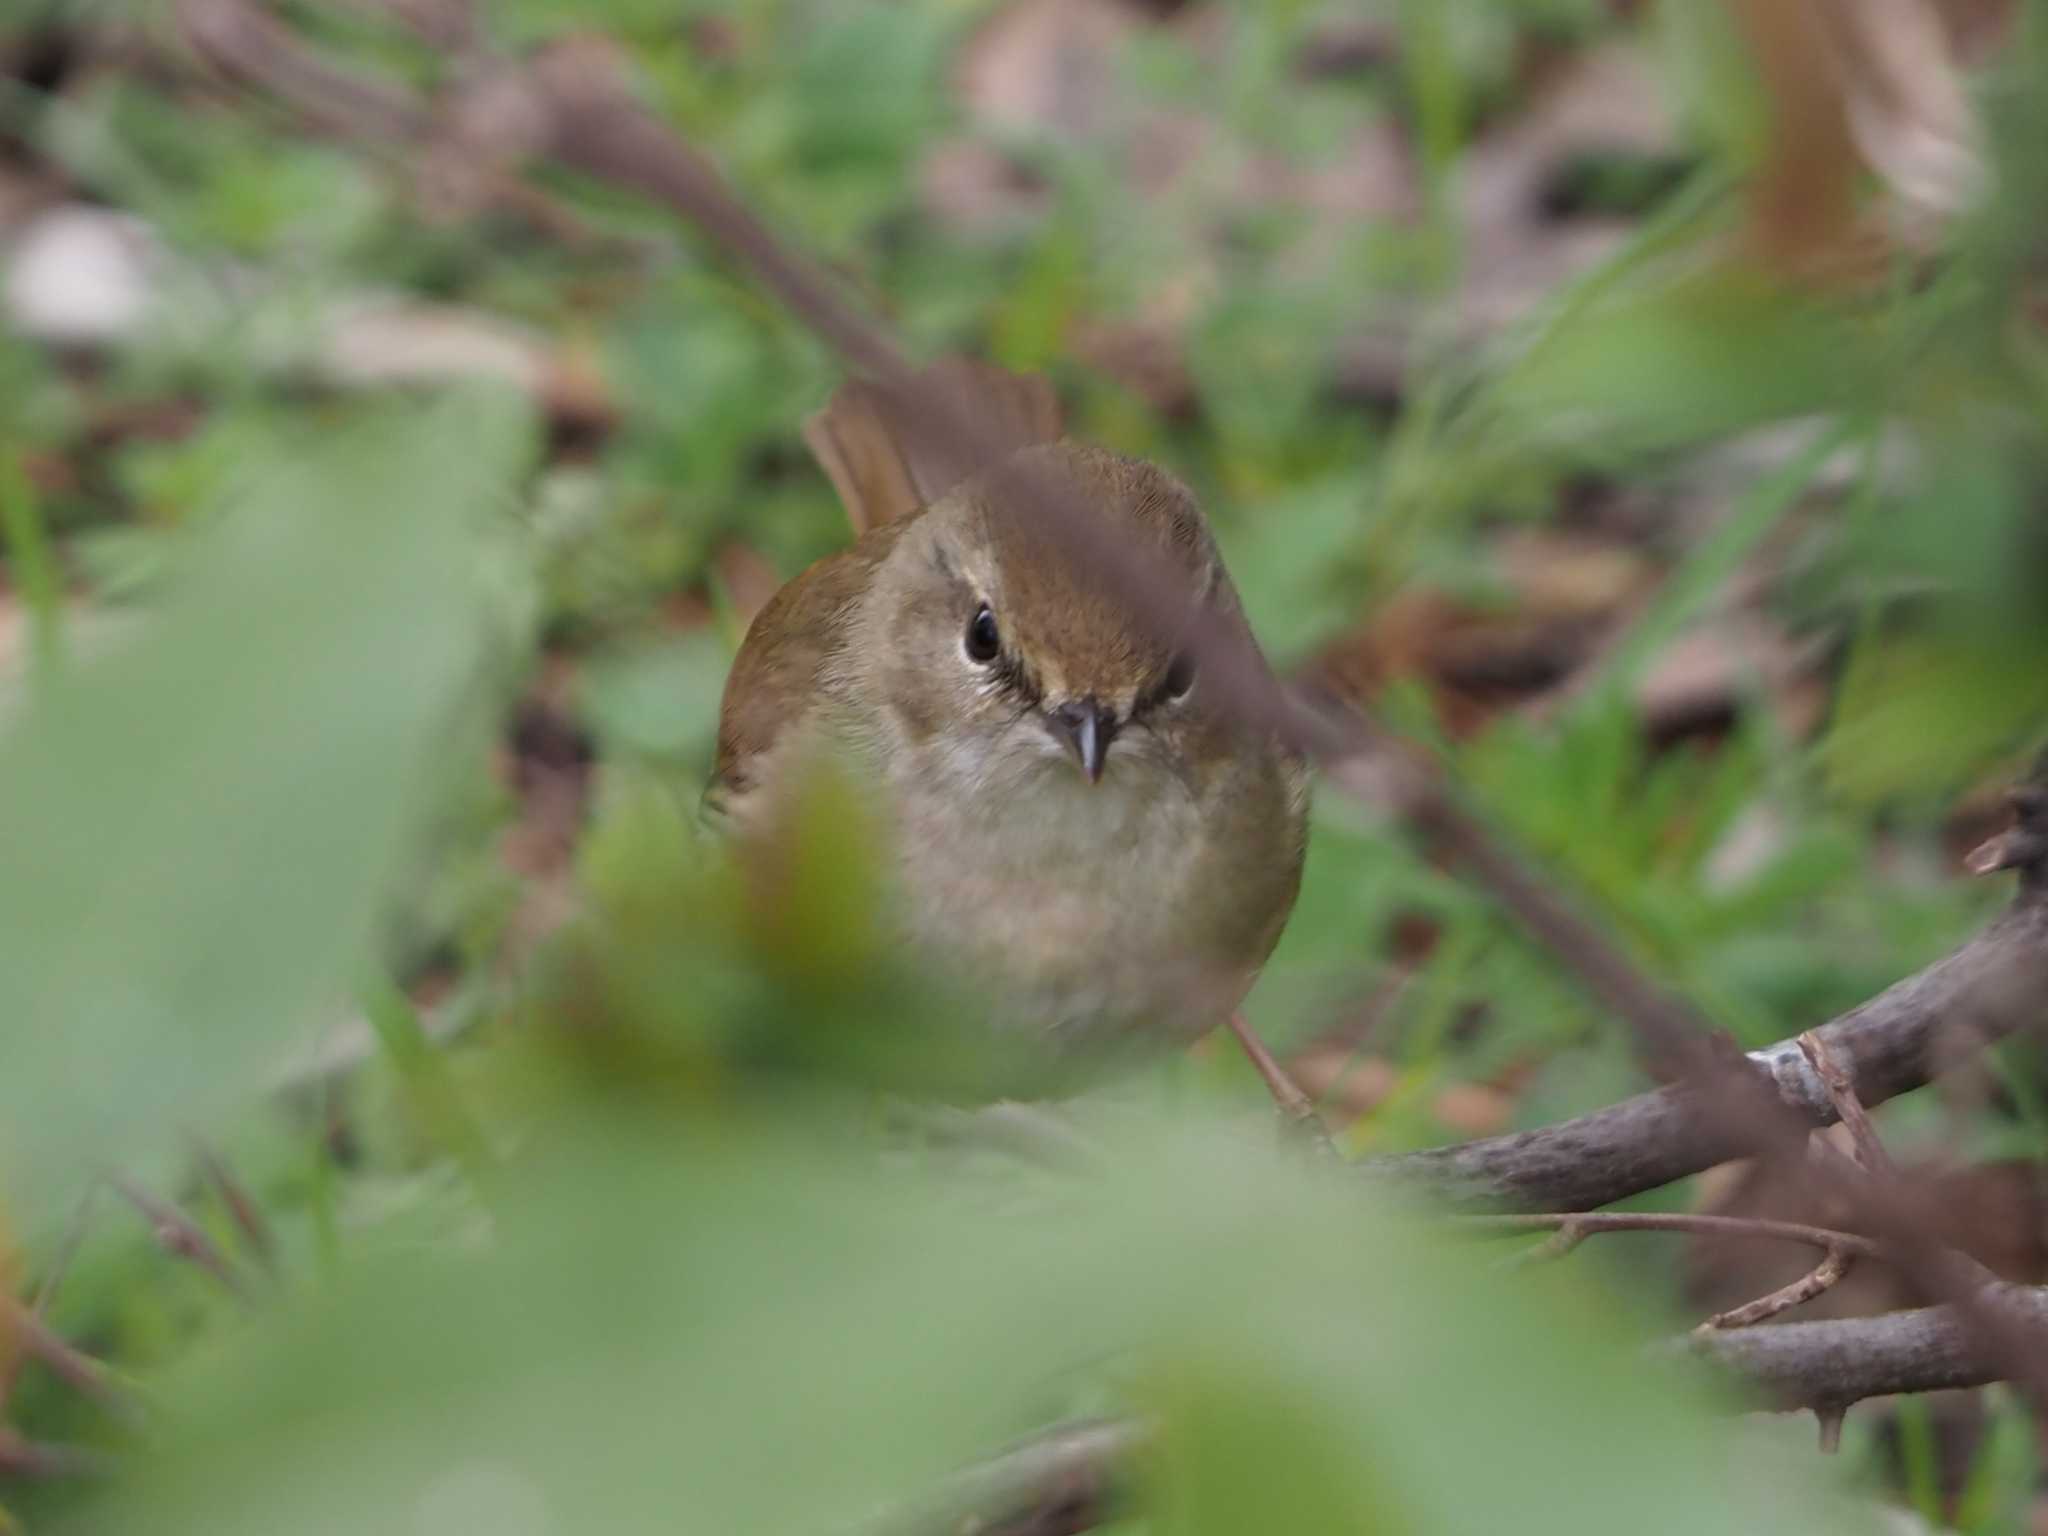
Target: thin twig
[(1841, 1087), (1584, 1224), (1839, 1249), (255, 50), (1561, 1242), (1822, 1277)]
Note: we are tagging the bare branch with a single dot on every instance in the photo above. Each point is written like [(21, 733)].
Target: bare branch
[(1837, 1362), (1990, 987), (255, 49)]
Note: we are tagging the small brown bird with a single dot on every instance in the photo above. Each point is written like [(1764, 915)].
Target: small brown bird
[(1077, 830)]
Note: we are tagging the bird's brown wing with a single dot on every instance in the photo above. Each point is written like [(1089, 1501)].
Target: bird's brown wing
[(780, 674), (867, 438)]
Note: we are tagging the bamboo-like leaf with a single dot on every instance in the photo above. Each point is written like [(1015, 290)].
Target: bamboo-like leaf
[(195, 829)]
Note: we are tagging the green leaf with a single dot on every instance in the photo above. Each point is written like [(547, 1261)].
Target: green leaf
[(1919, 715), (757, 1332), (661, 700), (198, 826), (1658, 367)]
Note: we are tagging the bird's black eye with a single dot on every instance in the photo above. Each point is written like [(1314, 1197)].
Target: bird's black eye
[(983, 641), (1180, 676)]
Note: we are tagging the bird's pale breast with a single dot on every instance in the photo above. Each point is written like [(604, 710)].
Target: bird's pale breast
[(1095, 911)]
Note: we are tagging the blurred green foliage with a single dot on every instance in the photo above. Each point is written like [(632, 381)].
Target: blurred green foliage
[(617, 1233)]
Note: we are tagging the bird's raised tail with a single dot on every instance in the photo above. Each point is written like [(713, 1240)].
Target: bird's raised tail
[(886, 460)]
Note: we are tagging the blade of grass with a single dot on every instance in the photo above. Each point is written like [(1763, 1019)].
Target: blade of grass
[(1921, 1459), (1708, 567), (1675, 219), (2001, 1479), (1456, 415)]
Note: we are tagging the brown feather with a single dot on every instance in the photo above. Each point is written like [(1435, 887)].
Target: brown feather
[(777, 676), (885, 463)]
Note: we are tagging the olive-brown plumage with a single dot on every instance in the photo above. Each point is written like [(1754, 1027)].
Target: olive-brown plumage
[(1077, 828)]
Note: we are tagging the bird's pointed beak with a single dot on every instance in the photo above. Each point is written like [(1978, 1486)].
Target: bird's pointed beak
[(1087, 729)]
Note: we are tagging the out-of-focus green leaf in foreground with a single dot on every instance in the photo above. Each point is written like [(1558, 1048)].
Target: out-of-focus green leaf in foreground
[(757, 1333), (196, 826)]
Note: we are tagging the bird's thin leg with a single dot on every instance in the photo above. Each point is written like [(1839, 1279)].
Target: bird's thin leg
[(1295, 1106)]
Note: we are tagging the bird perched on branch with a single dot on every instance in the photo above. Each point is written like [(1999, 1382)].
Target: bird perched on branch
[(1101, 846)]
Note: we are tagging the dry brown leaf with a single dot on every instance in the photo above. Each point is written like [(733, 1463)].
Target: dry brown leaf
[(1473, 1109), (1344, 1084), (1568, 575), (1477, 662), (1904, 99), (13, 626), (976, 190), (1046, 66), (376, 341), (1855, 85)]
